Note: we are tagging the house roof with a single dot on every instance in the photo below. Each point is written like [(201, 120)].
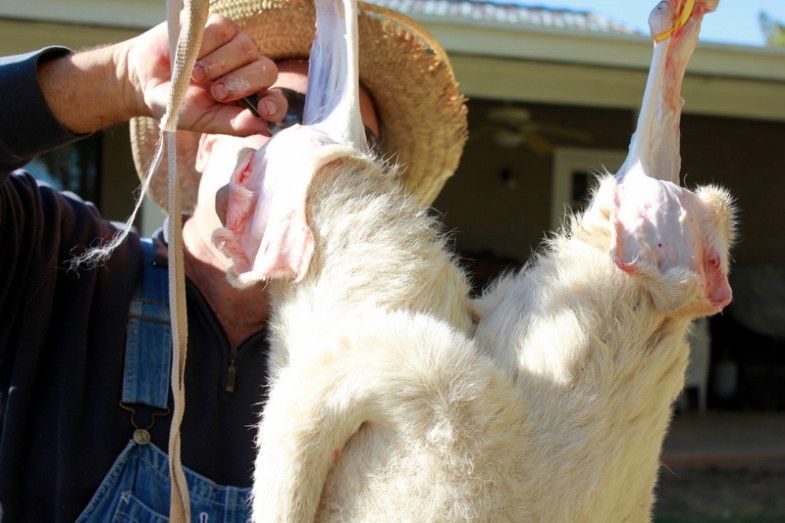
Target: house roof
[(489, 13), (498, 50)]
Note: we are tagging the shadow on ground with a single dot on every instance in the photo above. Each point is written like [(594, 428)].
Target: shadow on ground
[(721, 494)]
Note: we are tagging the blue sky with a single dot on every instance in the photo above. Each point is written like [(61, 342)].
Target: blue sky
[(734, 21)]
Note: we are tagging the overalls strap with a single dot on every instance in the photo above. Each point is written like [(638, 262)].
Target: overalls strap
[(137, 486), (148, 346)]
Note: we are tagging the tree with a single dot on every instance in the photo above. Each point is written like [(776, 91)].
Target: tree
[(773, 30)]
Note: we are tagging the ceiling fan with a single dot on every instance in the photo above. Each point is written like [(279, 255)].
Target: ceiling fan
[(512, 126)]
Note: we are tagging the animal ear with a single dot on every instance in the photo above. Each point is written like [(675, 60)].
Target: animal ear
[(716, 288), (719, 234)]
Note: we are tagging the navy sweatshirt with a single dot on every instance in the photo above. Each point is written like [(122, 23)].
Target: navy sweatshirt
[(62, 338)]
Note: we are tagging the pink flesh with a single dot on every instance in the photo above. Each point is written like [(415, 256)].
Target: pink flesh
[(657, 223), (266, 233)]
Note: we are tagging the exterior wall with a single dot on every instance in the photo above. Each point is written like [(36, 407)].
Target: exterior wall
[(18, 36), (747, 157), (118, 176), (510, 219)]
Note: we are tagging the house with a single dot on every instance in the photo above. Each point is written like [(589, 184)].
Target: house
[(553, 96)]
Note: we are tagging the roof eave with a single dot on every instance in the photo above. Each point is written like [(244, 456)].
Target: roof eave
[(614, 50)]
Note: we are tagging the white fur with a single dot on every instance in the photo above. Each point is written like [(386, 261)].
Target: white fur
[(396, 398)]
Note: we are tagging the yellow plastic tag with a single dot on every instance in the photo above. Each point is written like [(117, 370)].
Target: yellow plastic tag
[(686, 11)]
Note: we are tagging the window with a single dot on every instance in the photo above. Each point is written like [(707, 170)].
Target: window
[(74, 167), (574, 170)]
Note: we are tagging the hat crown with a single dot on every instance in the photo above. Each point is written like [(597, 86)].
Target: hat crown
[(399, 60)]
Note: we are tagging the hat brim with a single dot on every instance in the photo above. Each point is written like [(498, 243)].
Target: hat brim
[(423, 115)]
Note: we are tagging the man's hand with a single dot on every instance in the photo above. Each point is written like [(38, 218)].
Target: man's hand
[(228, 68), (91, 89)]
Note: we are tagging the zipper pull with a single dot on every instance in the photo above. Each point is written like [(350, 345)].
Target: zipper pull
[(231, 376)]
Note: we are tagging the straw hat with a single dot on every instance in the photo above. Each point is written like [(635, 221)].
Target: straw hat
[(423, 116)]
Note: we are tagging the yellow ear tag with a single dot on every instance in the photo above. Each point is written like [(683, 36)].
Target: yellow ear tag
[(686, 11)]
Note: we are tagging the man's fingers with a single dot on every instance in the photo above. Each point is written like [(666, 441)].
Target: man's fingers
[(225, 52), (231, 119), (271, 106), (248, 79), (218, 31), (229, 69), (239, 51)]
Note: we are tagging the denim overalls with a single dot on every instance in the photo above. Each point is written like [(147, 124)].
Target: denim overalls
[(136, 488)]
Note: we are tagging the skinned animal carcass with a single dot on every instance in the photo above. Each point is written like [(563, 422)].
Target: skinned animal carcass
[(397, 398)]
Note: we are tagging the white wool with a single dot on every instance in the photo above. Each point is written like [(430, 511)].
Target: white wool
[(397, 398)]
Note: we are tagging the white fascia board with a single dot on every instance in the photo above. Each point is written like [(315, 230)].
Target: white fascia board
[(536, 43), (132, 14), (20, 36), (459, 36), (605, 50), (560, 67), (593, 86)]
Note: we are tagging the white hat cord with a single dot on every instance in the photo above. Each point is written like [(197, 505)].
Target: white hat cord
[(184, 44)]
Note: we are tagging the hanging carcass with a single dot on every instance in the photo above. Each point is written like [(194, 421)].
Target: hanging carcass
[(397, 398)]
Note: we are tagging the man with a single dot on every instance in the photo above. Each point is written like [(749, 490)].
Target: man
[(73, 439)]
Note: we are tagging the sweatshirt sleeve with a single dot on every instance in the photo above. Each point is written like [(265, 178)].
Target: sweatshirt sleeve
[(27, 126)]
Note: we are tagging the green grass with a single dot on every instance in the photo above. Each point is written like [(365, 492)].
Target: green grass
[(666, 518)]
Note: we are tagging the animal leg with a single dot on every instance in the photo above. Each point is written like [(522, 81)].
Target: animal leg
[(660, 228), (267, 234), (595, 327)]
